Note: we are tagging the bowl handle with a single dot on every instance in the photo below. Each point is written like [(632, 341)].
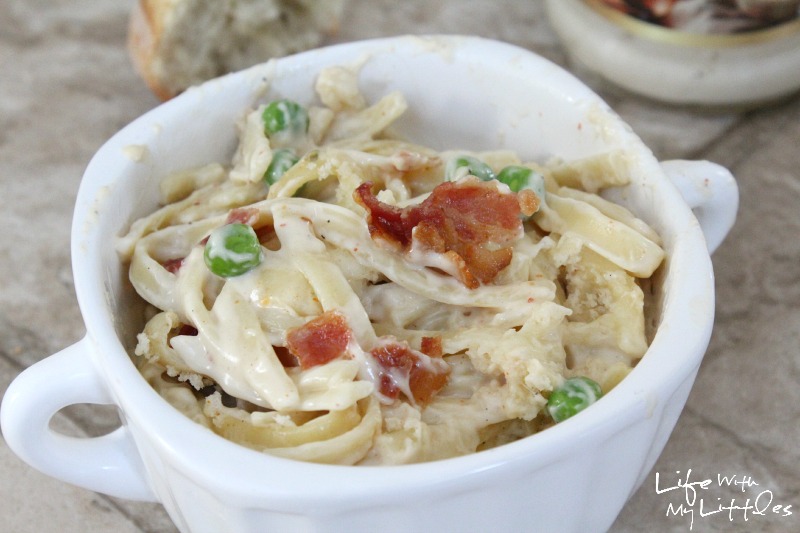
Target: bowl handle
[(109, 464), (711, 192)]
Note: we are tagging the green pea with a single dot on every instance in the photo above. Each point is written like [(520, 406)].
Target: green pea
[(285, 117), (518, 178), (282, 160), (474, 166), (572, 397), (232, 250)]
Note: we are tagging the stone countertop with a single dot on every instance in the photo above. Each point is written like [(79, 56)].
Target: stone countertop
[(67, 85)]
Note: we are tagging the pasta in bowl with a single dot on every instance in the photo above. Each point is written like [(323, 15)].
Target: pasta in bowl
[(404, 279), (335, 294)]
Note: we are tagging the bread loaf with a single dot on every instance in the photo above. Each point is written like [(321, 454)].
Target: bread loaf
[(175, 44)]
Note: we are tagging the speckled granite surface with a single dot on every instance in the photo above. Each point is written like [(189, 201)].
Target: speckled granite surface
[(67, 85)]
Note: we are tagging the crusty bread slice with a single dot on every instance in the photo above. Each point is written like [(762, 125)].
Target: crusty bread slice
[(175, 44)]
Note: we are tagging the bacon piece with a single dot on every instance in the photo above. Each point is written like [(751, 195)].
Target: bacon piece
[(183, 329), (285, 357), (252, 217), (471, 222), (266, 233), (319, 341), (528, 202), (400, 365), (173, 265), (187, 329), (406, 160), (243, 215), (431, 346)]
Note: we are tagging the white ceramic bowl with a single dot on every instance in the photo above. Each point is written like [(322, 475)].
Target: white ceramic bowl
[(463, 92), (717, 70)]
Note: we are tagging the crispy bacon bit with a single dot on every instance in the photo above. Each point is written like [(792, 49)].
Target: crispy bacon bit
[(528, 202), (184, 329), (243, 215), (471, 222), (251, 216), (319, 341), (431, 346), (187, 329), (405, 160), (285, 357), (425, 376), (173, 265), (266, 233)]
